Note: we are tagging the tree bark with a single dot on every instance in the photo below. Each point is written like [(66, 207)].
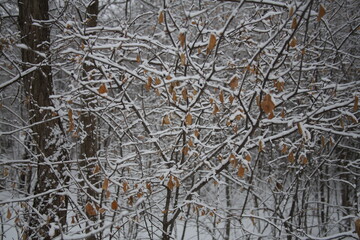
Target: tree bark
[(89, 145), (45, 126)]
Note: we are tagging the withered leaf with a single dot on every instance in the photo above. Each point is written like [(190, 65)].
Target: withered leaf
[(267, 105), (166, 120), (96, 169), (321, 13), (293, 42), (182, 39), (105, 185), (90, 210), (294, 23), (221, 96), (234, 82), (215, 109), (161, 17), (8, 214), (71, 121), (170, 183), (241, 171), (138, 58), (188, 119), (291, 12), (184, 94), (125, 186), (114, 205), (356, 103), (291, 157), (102, 89), (183, 59), (212, 43)]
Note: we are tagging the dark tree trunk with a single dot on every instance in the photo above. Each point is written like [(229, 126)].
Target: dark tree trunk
[(46, 128), (89, 145)]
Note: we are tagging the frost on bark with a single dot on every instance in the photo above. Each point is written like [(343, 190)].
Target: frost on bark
[(49, 206)]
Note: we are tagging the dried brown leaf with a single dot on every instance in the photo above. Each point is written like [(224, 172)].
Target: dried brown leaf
[(157, 81), (183, 59), (321, 13), (188, 119), (8, 214), (170, 183), (182, 39), (71, 121), (293, 42), (125, 186), (215, 109), (90, 210), (138, 58), (161, 17), (212, 43), (233, 160), (96, 169), (241, 171), (356, 103), (294, 23), (221, 96), (267, 105), (102, 89), (105, 185), (234, 82), (357, 227), (291, 157), (114, 205), (166, 120), (184, 94), (291, 11)]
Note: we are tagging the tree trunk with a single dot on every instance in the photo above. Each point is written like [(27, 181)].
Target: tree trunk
[(89, 145), (46, 128)]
